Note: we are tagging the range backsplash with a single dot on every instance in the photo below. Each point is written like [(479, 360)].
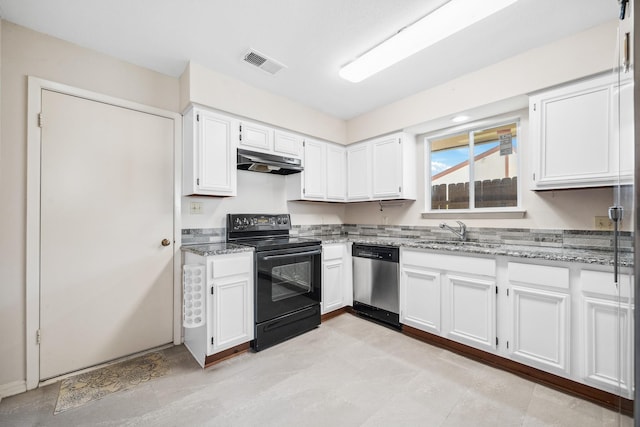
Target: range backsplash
[(569, 239)]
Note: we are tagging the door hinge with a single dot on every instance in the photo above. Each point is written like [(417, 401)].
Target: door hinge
[(534, 107), (399, 140), (304, 191), (507, 344), (212, 290), (496, 341), (240, 134), (399, 189), (304, 143), (197, 117), (534, 176), (211, 340), (496, 290), (38, 337), (40, 120), (507, 291), (198, 181)]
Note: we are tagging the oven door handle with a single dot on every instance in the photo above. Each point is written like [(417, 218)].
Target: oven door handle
[(295, 254)]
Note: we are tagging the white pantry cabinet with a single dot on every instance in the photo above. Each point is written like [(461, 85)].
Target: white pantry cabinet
[(577, 136), (209, 153), (605, 331), (449, 295), (382, 168), (337, 283), (228, 294), (323, 178), (540, 316)]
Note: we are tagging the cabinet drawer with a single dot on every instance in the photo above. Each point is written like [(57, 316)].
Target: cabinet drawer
[(541, 275), (330, 252), (602, 282), (457, 263), (229, 265)]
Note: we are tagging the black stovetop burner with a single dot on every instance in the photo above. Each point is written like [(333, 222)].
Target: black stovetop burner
[(264, 232), (274, 243)]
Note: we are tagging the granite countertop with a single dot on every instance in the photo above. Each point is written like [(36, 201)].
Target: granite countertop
[(491, 248), (222, 248)]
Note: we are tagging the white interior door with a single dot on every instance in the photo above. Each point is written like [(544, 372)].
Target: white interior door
[(106, 286)]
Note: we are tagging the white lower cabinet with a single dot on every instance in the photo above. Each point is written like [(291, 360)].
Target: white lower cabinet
[(472, 311), (569, 319), (449, 295), (228, 318), (540, 316), (337, 283), (420, 291), (606, 336)]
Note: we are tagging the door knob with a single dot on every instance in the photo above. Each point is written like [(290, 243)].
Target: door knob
[(165, 242)]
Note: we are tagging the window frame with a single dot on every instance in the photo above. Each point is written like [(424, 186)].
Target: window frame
[(473, 212)]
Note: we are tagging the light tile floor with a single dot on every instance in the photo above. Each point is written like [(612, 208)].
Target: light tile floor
[(348, 372)]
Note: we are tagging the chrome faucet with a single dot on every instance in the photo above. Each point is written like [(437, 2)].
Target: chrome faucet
[(461, 232)]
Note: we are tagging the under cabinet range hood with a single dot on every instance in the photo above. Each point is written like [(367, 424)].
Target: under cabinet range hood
[(268, 163)]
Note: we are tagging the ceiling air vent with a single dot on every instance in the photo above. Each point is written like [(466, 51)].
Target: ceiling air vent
[(263, 62)]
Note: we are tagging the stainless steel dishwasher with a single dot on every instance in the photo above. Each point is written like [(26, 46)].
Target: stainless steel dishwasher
[(376, 275)]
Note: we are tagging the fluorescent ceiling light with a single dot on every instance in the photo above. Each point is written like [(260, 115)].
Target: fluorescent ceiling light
[(450, 18)]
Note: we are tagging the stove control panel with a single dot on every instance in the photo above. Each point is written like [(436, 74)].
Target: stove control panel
[(258, 222)]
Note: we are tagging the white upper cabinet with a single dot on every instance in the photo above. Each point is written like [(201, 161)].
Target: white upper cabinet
[(336, 173), (387, 167), (358, 172), (575, 137), (382, 168), (287, 144), (254, 136), (323, 178), (314, 174), (209, 153), (257, 137)]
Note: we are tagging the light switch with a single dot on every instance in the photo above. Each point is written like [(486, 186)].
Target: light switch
[(195, 208)]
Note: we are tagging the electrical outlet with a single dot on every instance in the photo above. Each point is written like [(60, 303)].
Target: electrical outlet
[(195, 208), (603, 223)]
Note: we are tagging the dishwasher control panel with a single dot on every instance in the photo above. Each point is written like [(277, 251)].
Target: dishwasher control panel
[(382, 253)]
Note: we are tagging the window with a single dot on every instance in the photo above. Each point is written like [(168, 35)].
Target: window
[(486, 157)]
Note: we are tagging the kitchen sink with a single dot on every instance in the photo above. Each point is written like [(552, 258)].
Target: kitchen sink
[(458, 243)]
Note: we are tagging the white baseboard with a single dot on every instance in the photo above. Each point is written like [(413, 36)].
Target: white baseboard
[(10, 389)]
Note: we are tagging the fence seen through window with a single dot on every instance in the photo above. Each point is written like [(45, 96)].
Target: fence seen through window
[(485, 157)]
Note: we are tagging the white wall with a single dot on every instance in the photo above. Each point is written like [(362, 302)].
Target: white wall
[(574, 57), (580, 55), (225, 93), (567, 209), (259, 193), (25, 52)]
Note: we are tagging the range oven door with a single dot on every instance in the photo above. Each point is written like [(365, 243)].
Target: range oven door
[(287, 280)]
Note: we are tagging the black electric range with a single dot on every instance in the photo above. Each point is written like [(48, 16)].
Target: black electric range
[(287, 279)]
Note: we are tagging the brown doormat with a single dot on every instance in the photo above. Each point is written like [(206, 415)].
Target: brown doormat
[(84, 388)]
